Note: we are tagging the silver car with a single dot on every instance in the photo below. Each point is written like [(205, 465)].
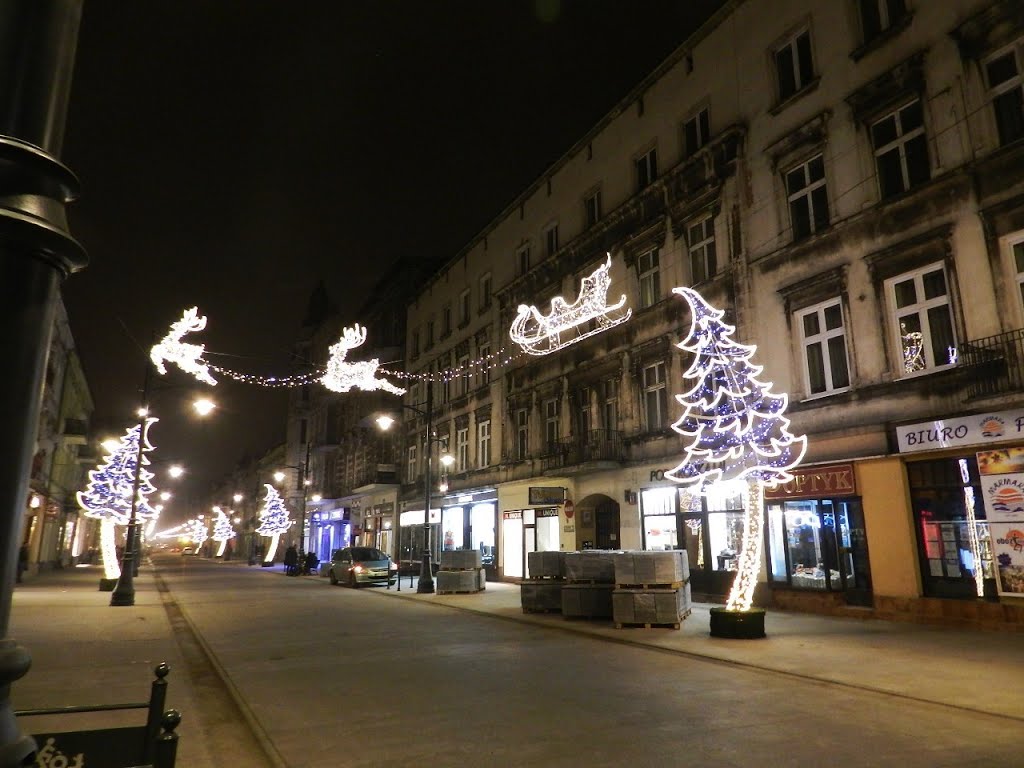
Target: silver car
[(355, 566)]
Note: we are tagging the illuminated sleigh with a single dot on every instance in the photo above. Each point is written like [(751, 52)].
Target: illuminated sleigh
[(566, 324)]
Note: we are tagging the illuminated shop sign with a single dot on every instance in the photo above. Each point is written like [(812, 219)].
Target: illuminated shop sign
[(982, 428), (816, 483)]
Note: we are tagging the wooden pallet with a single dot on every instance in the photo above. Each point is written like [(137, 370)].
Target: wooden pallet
[(646, 625), (542, 610), (459, 591)]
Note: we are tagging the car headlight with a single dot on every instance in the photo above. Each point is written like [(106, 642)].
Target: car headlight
[(358, 569), (392, 566)]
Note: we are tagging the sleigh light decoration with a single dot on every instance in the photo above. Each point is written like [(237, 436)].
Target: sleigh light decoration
[(342, 376), (566, 323), (188, 357)]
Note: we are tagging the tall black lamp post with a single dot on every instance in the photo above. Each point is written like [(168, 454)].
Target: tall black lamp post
[(303, 470), (426, 581)]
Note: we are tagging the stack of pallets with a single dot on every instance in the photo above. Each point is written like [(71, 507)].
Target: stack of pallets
[(589, 581), (652, 589), (460, 573), (542, 592)]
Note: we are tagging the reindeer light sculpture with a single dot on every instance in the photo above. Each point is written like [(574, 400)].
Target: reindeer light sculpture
[(188, 357), (342, 376)]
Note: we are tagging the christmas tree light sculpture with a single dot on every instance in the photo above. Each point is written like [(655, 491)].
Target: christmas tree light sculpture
[(222, 530), (737, 431), (108, 494), (197, 532), (274, 520)]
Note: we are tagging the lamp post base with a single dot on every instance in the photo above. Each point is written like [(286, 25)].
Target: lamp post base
[(426, 583)]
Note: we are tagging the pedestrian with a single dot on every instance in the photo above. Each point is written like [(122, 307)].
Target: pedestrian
[(312, 561), (22, 561), (291, 560)]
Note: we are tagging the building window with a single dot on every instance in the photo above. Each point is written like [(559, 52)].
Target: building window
[(551, 417), (592, 208), (793, 65), (462, 449), (586, 413), (655, 396), (446, 320), (611, 404), (484, 372), (464, 308), (483, 444), (430, 335), (1003, 72), (808, 199), (522, 434), (703, 259), (551, 240), (414, 345), (696, 132), (923, 319), (1018, 259), (523, 260), (464, 374), (877, 16), (485, 291), (650, 278), (411, 474), (826, 369), (901, 151), (646, 169)]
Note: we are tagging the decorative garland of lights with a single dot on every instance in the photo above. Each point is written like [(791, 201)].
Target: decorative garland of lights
[(737, 428), (299, 380), (541, 334)]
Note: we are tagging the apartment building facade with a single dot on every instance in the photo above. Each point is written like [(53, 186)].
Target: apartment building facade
[(844, 180)]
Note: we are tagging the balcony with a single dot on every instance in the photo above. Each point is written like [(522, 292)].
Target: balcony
[(993, 365), (596, 449)]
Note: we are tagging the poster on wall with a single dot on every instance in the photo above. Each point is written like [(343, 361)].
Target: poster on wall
[(1002, 485)]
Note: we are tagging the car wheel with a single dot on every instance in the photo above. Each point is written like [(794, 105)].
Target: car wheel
[(352, 581), (334, 579)]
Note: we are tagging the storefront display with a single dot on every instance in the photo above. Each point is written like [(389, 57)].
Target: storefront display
[(1002, 482)]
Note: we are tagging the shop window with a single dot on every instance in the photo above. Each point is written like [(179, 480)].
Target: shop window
[(650, 279), (901, 150), (655, 396), (453, 528), (703, 258), (1003, 76), (954, 542), (794, 68), (659, 505), (481, 521), (824, 348), (808, 198), (923, 319)]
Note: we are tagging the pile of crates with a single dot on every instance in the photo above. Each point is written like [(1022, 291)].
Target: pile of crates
[(652, 589), (589, 582), (460, 573), (542, 592)]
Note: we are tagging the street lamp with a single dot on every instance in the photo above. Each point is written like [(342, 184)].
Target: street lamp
[(304, 482), (426, 581), (124, 590)]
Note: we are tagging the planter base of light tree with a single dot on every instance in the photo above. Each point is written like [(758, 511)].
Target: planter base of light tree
[(267, 565), (107, 585), (737, 625)]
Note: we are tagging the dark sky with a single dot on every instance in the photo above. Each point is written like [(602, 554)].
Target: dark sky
[(233, 153)]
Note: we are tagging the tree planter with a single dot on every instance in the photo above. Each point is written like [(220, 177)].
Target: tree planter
[(738, 625), (107, 585)]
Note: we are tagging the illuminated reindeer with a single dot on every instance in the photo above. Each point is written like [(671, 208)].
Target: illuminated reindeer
[(185, 356), (342, 376)]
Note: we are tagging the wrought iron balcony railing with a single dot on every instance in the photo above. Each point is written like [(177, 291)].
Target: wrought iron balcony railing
[(993, 365), (595, 445)]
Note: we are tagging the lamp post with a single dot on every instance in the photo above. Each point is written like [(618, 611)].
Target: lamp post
[(425, 584), (303, 470)]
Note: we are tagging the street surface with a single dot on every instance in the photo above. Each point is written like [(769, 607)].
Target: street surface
[(330, 676)]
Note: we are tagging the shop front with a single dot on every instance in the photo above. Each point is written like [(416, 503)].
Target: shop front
[(331, 530), (469, 521), (524, 531), (377, 526), (817, 537)]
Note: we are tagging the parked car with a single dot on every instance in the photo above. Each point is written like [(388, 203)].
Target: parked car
[(355, 566), (190, 551)]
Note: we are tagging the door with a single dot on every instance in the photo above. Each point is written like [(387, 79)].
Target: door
[(606, 522), (512, 544), (853, 550)]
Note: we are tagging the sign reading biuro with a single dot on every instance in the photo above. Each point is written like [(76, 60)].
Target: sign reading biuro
[(980, 429)]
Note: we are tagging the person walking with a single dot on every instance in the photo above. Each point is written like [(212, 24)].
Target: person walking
[(291, 560), (22, 561)]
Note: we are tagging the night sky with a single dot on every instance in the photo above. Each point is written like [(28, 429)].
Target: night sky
[(233, 153)]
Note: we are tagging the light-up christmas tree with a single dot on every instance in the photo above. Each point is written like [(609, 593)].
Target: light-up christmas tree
[(222, 530), (738, 434), (274, 520), (108, 494)]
